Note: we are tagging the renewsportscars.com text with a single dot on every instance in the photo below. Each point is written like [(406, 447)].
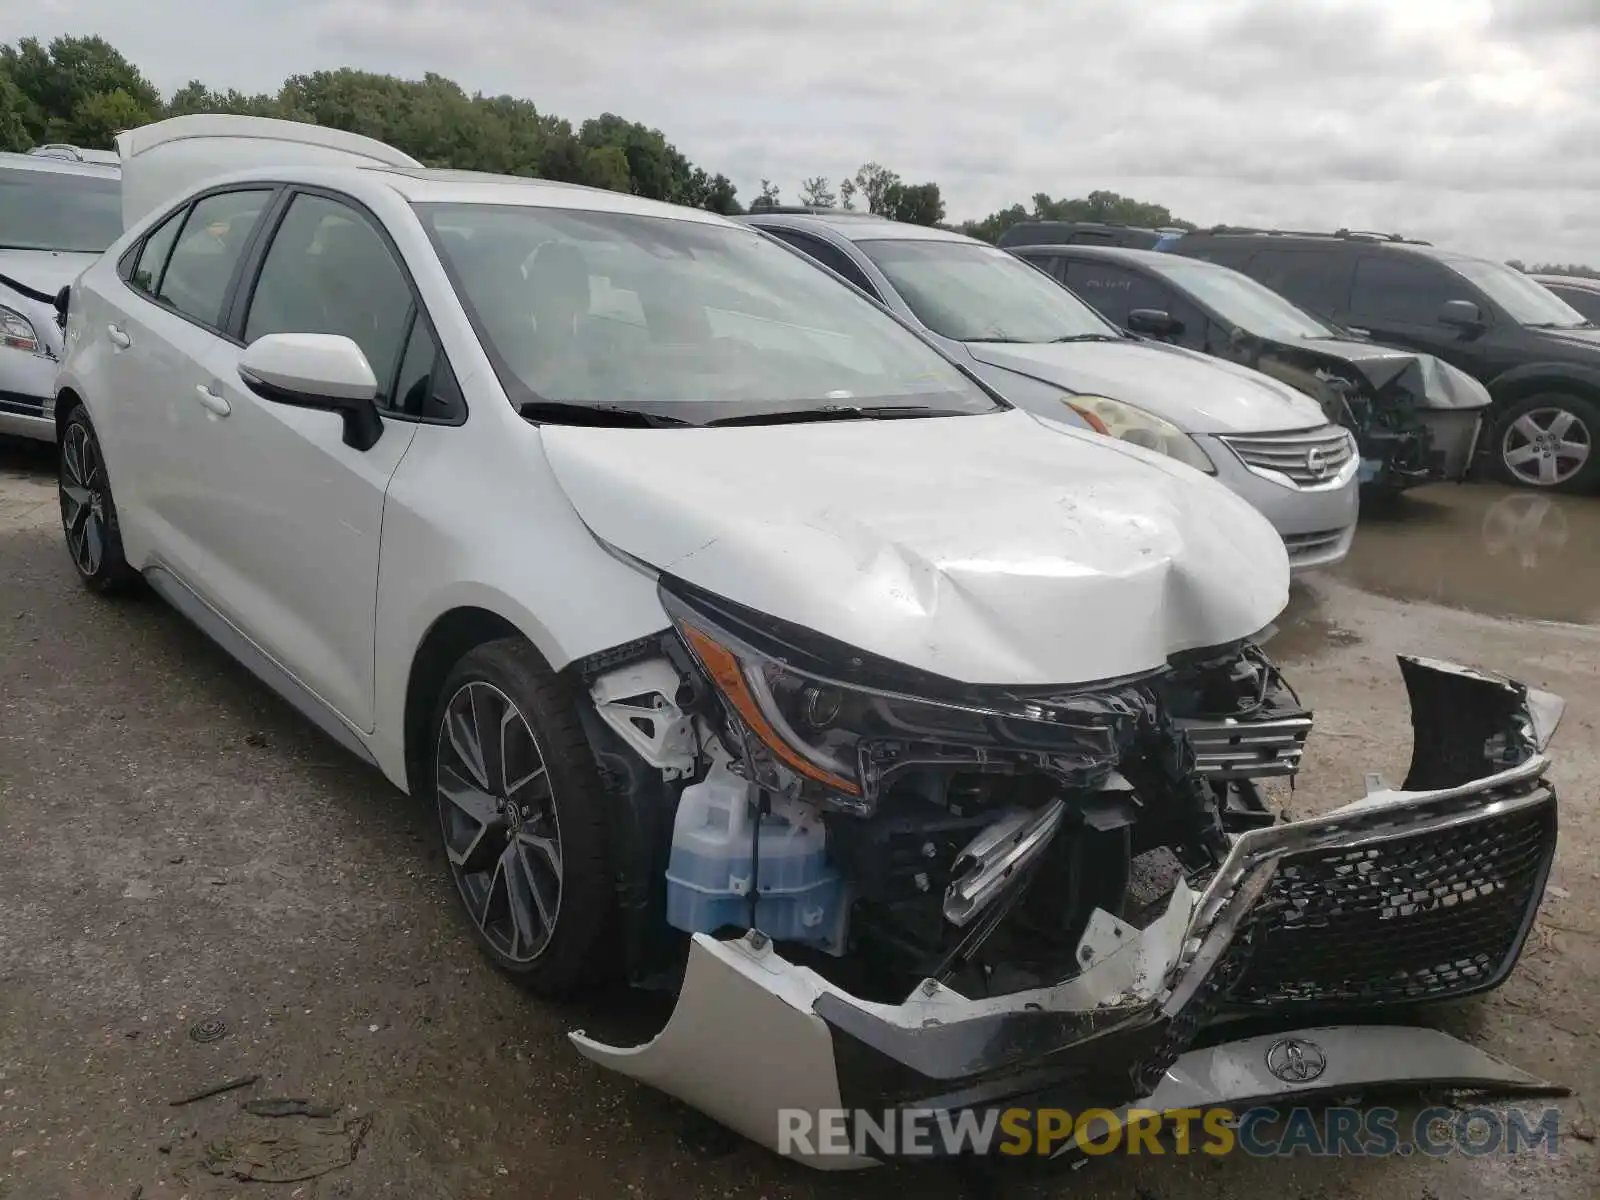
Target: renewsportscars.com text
[(1262, 1132)]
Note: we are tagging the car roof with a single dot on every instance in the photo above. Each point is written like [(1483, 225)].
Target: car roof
[(50, 165), (1156, 260), (1584, 283), (859, 226), (169, 159), (429, 185), (1344, 239)]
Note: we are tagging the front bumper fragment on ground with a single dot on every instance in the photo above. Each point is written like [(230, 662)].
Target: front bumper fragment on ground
[(1421, 893)]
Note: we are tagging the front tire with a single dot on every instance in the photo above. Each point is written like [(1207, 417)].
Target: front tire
[(88, 513), (1547, 441), (522, 814)]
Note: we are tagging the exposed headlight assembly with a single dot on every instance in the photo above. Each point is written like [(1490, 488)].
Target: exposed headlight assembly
[(1119, 420), (17, 332), (838, 742)]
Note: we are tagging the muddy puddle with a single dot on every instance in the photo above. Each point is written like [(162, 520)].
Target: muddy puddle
[(1497, 551)]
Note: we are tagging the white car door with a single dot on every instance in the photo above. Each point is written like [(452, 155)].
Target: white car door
[(163, 317), (299, 512)]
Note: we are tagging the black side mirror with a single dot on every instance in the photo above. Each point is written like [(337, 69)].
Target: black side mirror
[(63, 302), (1154, 322), (1462, 315)]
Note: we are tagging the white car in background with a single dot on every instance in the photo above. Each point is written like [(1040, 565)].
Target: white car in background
[(56, 216), (745, 643)]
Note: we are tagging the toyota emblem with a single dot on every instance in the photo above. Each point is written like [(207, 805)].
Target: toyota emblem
[(1295, 1060), (1316, 462)]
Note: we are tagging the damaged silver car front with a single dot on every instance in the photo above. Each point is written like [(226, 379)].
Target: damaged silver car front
[(922, 904)]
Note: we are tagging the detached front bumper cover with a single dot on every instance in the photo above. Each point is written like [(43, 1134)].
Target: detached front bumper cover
[(1421, 893)]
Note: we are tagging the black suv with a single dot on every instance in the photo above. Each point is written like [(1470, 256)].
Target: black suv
[(1083, 233), (1538, 356)]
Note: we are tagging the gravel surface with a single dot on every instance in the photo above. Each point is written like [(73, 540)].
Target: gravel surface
[(195, 886)]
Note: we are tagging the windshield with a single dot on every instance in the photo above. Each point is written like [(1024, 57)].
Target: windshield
[(976, 293), (1526, 301), (58, 210), (1240, 300), (692, 321)]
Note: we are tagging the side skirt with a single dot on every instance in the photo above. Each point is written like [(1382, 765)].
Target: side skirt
[(255, 660)]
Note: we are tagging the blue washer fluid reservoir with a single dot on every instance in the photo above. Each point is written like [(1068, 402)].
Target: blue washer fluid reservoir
[(802, 898)]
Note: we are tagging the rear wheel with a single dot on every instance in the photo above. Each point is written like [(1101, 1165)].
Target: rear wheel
[(1547, 441), (88, 514), (522, 816)]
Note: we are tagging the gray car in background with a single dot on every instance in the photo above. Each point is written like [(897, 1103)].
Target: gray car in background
[(57, 213), (1046, 350)]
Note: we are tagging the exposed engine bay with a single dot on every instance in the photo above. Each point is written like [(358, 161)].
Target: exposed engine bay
[(1416, 419), (857, 812), (929, 884)]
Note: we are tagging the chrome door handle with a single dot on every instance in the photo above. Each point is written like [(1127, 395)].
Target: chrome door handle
[(118, 339), (213, 402)]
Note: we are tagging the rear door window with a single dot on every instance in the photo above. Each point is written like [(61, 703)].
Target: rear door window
[(200, 271), (1316, 281), (147, 267), (1229, 254)]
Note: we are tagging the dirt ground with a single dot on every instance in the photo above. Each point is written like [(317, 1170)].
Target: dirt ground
[(178, 847)]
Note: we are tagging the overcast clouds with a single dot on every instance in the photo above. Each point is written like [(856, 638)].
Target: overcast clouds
[(1474, 123)]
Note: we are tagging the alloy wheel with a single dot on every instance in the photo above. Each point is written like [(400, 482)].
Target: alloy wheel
[(497, 812), (83, 499), (1546, 446)]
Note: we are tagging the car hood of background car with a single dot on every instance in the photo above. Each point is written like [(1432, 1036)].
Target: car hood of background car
[(1584, 342), (42, 273), (986, 549), (1432, 381), (1196, 393)]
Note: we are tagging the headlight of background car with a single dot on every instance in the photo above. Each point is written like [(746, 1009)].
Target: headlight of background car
[(805, 730), (1116, 419), (17, 332)]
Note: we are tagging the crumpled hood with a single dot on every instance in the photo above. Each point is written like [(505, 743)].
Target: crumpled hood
[(986, 549), (1196, 393), (1434, 383), (43, 272)]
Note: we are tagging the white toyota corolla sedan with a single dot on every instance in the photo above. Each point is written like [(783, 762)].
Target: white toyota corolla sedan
[(746, 644)]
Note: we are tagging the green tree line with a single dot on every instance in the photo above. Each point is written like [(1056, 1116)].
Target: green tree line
[(83, 91)]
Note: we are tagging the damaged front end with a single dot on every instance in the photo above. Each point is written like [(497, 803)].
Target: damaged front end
[(904, 894), (1415, 418)]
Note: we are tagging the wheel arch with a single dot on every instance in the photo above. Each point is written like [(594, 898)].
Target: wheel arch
[(1533, 378), (451, 635), (67, 399)]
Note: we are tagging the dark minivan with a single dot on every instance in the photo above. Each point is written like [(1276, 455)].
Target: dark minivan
[(1538, 356)]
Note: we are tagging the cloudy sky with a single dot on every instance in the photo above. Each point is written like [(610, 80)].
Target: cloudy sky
[(1474, 123)]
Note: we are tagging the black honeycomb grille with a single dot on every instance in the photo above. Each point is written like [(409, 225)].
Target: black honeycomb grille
[(1423, 917)]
